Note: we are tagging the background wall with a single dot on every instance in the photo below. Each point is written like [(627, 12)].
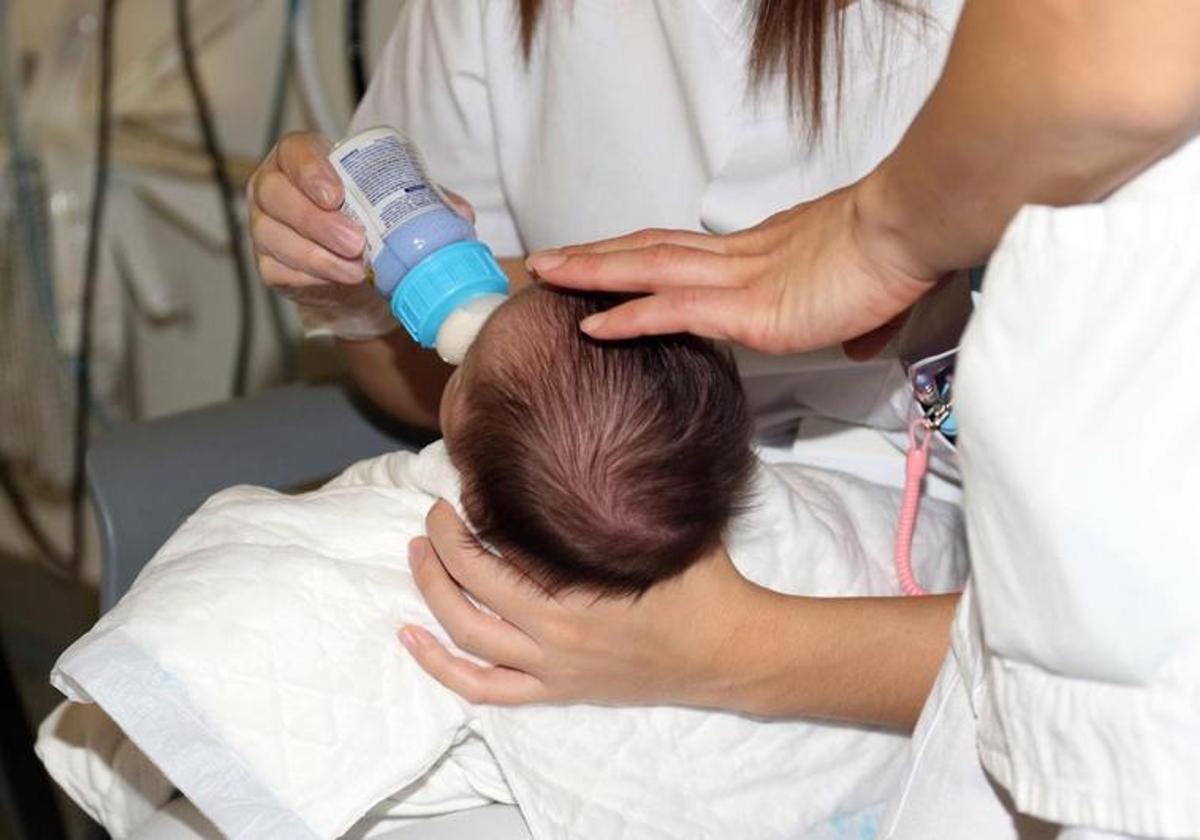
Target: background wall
[(166, 323), (185, 360)]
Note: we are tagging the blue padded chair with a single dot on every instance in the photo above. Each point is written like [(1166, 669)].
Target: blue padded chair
[(146, 478)]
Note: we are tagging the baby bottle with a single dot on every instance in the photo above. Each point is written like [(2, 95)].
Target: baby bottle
[(442, 282)]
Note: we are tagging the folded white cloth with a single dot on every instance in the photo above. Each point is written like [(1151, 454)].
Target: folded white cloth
[(255, 662), (102, 770)]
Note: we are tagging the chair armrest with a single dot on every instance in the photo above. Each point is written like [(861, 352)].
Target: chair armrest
[(146, 478)]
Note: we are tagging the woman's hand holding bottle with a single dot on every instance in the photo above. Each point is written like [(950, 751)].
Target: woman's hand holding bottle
[(306, 249)]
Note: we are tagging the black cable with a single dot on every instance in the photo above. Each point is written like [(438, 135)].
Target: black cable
[(289, 358), (83, 367), (356, 51), (37, 535), (282, 74), (220, 174)]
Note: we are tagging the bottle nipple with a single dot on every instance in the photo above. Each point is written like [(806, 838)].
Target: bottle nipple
[(462, 325)]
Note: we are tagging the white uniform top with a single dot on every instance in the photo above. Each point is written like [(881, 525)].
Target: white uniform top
[(1075, 673), (639, 113)]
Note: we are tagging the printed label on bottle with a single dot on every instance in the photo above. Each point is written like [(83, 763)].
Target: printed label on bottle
[(385, 183)]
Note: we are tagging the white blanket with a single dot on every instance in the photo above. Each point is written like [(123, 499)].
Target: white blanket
[(255, 662)]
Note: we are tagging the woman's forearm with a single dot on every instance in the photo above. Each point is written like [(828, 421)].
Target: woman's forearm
[(1041, 101), (398, 376), (862, 660)]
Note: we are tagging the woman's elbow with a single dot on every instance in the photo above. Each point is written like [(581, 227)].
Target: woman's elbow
[(1131, 70), (1162, 110)]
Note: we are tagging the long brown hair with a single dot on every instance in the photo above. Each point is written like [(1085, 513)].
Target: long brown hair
[(789, 35)]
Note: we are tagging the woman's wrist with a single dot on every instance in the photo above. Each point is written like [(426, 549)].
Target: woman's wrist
[(863, 660), (767, 661), (892, 229), (729, 669)]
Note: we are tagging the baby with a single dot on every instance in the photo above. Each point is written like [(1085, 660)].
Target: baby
[(607, 466)]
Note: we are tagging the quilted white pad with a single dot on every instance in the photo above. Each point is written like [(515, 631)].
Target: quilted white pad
[(255, 662)]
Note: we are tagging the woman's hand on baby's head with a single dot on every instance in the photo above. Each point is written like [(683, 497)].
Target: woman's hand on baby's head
[(663, 647), (805, 278)]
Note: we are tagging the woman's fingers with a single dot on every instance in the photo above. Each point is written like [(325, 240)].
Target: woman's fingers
[(701, 311), (643, 239), (488, 578), (461, 206), (297, 285), (277, 197), (494, 685), (277, 240), (303, 158), (644, 269), (473, 630)]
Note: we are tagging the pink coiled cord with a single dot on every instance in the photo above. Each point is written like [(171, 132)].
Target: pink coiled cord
[(915, 467)]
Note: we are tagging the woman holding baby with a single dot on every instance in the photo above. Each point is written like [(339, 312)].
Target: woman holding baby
[(1051, 139)]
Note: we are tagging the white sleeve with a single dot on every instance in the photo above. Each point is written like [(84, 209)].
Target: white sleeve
[(1080, 414), (431, 85)]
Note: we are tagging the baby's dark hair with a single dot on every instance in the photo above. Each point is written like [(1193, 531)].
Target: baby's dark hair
[(600, 466)]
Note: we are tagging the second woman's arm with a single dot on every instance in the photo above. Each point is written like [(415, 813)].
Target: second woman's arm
[(706, 638)]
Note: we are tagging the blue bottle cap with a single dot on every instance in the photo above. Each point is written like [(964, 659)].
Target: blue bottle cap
[(443, 281)]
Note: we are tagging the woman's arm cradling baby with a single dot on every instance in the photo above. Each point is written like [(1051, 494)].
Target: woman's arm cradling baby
[(707, 637)]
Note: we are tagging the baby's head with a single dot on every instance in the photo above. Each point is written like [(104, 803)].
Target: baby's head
[(600, 466)]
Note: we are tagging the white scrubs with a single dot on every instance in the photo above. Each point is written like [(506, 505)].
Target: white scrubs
[(1074, 678)]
